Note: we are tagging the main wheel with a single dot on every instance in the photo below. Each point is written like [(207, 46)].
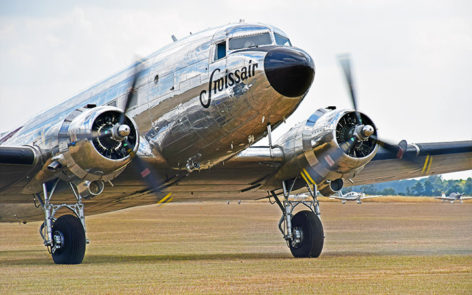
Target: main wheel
[(69, 240), (308, 230)]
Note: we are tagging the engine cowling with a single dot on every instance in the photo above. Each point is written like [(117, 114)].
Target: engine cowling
[(93, 145), (330, 146)]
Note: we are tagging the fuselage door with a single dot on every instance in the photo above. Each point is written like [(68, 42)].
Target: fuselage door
[(218, 57), (217, 62)]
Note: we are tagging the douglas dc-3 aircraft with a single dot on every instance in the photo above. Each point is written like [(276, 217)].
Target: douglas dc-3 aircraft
[(181, 124), (453, 197)]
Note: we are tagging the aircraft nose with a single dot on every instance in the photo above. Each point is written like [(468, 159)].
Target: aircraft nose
[(289, 71)]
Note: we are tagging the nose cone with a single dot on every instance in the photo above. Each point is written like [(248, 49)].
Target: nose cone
[(289, 71)]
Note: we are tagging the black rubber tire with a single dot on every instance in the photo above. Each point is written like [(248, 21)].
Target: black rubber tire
[(73, 250), (313, 235)]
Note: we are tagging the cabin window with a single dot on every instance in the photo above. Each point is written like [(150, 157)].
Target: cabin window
[(281, 40), (220, 50), (250, 41)]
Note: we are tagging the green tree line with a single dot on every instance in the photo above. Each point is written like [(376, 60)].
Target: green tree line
[(430, 186)]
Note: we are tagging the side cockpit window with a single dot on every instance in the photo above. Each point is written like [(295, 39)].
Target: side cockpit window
[(282, 40), (250, 41), (220, 51)]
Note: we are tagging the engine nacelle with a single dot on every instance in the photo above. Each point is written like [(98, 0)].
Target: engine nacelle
[(330, 146), (94, 146)]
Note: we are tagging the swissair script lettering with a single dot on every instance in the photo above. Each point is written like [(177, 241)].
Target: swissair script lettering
[(228, 80)]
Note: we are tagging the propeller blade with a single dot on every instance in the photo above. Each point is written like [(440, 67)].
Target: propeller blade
[(154, 182), (392, 148), (132, 91), (397, 149), (137, 68), (345, 62), (152, 179), (330, 158)]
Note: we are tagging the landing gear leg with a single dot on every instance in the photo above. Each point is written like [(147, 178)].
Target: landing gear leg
[(304, 231), (64, 237)]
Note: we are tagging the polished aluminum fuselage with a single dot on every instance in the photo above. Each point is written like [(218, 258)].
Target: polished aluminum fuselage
[(179, 123)]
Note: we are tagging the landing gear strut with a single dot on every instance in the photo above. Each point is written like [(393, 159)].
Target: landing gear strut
[(65, 236), (303, 232)]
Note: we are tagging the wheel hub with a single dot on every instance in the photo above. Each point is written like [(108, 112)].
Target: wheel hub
[(297, 237), (58, 241)]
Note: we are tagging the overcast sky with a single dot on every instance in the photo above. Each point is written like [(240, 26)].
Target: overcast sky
[(412, 60)]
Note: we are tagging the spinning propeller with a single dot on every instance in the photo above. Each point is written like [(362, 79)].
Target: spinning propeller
[(119, 131), (364, 130), (355, 135)]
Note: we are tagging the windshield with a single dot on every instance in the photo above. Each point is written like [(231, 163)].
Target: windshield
[(281, 40), (250, 41)]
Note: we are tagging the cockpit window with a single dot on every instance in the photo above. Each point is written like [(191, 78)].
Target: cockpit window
[(249, 41), (281, 40)]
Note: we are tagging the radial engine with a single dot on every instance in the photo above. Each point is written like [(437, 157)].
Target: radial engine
[(90, 146), (329, 147)]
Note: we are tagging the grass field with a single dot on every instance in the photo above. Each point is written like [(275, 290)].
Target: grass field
[(205, 248), (396, 199)]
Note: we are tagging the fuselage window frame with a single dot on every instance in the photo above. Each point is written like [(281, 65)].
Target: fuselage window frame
[(220, 50), (264, 33), (278, 37)]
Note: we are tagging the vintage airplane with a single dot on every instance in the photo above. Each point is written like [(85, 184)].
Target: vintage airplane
[(453, 197), (182, 122), (350, 196)]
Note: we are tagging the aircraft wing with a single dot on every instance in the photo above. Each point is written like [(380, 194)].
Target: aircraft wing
[(235, 179), (445, 198), (344, 198), (239, 178), (370, 197), (338, 197), (420, 159), (242, 176)]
